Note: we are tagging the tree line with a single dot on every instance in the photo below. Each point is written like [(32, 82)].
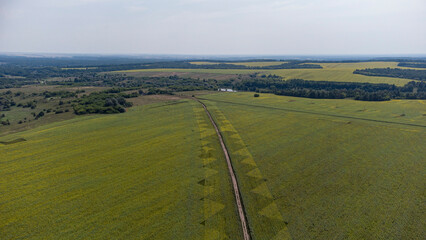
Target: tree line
[(393, 72), (412, 64), (334, 90)]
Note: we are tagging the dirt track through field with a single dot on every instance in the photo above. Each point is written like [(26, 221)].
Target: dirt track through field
[(240, 206)]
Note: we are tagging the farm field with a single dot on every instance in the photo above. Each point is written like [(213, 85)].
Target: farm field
[(250, 64), (343, 72), (335, 75), (347, 65), (306, 168), (336, 72), (312, 176), (212, 120), (69, 180)]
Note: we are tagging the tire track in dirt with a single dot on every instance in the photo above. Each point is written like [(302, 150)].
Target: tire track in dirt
[(240, 206)]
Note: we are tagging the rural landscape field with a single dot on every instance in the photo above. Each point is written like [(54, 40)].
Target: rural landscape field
[(75, 166), (213, 120)]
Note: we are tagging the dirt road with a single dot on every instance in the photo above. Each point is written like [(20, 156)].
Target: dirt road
[(240, 206)]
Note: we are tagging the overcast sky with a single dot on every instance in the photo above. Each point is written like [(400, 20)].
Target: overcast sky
[(279, 27)]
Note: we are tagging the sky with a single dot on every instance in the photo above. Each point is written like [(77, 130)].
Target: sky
[(214, 27)]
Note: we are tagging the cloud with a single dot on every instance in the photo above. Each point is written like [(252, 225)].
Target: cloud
[(214, 26), (54, 4)]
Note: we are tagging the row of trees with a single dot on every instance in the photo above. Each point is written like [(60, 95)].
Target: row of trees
[(393, 72), (412, 64), (335, 90)]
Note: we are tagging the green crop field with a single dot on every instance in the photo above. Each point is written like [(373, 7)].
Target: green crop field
[(335, 75), (155, 172), (355, 65), (336, 72), (342, 72), (326, 169), (307, 169), (360, 65)]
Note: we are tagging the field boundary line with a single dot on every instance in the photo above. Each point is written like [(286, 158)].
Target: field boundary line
[(238, 198), (317, 113)]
